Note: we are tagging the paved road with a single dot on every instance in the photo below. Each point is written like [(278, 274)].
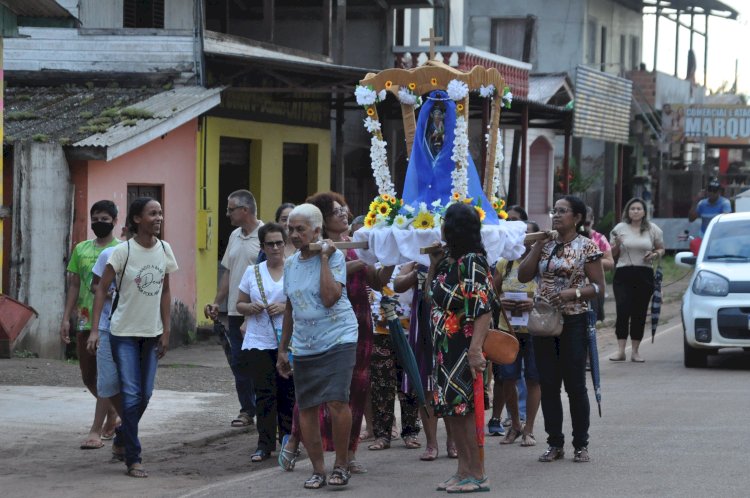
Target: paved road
[(666, 431)]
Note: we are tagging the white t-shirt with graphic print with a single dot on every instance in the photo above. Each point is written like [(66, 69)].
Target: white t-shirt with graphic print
[(138, 310)]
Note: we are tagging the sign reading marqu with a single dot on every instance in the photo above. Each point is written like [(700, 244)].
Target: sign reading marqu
[(712, 124)]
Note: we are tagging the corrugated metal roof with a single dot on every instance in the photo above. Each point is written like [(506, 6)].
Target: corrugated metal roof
[(602, 110), (543, 87), (166, 110), (36, 8)]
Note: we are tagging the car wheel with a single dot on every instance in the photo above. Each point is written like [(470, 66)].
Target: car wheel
[(694, 357)]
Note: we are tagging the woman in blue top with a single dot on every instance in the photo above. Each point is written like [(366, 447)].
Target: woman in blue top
[(322, 328)]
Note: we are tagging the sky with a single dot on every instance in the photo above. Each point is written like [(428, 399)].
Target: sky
[(728, 40)]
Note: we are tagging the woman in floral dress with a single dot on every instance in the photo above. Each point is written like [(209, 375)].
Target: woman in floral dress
[(462, 302)]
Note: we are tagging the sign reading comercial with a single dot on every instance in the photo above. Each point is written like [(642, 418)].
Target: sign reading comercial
[(712, 124), (602, 106)]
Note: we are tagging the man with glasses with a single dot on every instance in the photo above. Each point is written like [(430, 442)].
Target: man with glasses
[(709, 205), (242, 251)]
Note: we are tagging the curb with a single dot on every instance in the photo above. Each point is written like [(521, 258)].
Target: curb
[(207, 437)]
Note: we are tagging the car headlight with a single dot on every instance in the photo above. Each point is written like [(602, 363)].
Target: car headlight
[(707, 283)]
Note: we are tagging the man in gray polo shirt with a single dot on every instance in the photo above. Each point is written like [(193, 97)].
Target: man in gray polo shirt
[(242, 251)]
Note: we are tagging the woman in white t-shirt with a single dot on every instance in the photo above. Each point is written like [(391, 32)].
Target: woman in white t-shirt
[(262, 300), (636, 244), (140, 321)]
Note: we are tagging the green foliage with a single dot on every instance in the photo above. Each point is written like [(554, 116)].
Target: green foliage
[(606, 223), (100, 121), (20, 116), (24, 353), (129, 122), (136, 113), (40, 137), (86, 115), (112, 112), (24, 97), (92, 129), (64, 141)]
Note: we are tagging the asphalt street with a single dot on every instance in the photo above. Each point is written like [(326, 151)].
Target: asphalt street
[(665, 431)]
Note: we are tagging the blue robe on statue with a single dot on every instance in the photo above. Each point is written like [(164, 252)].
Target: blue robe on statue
[(428, 177)]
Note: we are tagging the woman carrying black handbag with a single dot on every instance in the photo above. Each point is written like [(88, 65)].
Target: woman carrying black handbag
[(561, 266)]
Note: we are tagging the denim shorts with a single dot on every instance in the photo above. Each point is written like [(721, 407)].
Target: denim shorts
[(107, 379), (525, 353)]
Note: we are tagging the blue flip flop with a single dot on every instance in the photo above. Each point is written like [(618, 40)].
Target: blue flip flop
[(287, 458)]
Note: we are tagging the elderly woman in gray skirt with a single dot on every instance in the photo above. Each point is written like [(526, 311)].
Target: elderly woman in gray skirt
[(321, 325)]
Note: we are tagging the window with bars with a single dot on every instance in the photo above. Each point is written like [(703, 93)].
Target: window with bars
[(143, 14)]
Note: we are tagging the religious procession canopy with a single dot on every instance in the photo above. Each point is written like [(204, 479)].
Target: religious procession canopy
[(441, 170)]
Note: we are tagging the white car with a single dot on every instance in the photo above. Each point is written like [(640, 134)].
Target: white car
[(716, 305)]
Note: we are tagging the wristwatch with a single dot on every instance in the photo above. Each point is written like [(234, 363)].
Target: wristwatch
[(578, 293)]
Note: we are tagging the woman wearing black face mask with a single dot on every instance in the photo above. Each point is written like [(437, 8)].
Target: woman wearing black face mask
[(78, 308)]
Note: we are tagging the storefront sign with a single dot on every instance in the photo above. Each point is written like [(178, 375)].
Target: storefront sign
[(712, 124)]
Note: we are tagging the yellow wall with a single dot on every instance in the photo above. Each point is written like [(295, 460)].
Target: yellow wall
[(267, 149)]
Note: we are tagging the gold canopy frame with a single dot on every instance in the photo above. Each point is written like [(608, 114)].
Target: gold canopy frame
[(435, 75)]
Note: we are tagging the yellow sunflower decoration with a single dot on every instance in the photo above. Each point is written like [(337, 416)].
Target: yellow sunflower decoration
[(412, 86), (424, 220), (481, 213), (384, 208)]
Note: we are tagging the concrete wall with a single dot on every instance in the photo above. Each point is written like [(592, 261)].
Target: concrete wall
[(559, 25), (41, 227), (178, 14), (618, 20), (67, 49), (170, 162)]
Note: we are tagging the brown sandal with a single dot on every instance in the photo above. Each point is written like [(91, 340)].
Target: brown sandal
[(429, 455), (380, 443), (412, 443), (528, 440), (452, 451), (511, 436)]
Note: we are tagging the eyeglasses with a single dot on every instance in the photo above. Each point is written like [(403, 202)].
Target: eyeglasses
[(560, 211), (588, 223), (275, 243), (340, 211), (231, 210)]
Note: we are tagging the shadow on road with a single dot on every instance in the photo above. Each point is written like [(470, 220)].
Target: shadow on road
[(730, 359)]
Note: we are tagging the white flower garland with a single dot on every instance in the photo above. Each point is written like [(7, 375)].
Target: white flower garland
[(379, 161), (507, 98), (459, 175), (365, 95), (499, 158), (487, 91), (372, 125), (406, 97), (457, 90)]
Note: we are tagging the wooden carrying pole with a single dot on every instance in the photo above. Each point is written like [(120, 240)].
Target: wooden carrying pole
[(531, 237), (315, 246), (489, 171)]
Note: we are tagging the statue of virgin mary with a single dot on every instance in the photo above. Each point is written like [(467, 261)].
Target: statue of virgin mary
[(428, 176)]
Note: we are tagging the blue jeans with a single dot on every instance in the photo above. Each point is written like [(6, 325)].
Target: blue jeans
[(563, 360), (136, 362), (243, 381)]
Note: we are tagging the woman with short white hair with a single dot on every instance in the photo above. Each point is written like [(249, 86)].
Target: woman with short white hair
[(321, 326)]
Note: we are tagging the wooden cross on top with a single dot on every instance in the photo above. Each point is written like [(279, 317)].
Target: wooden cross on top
[(432, 39)]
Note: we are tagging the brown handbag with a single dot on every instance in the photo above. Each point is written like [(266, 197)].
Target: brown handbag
[(500, 345)]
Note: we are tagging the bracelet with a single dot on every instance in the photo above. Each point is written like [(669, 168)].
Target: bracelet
[(596, 287)]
